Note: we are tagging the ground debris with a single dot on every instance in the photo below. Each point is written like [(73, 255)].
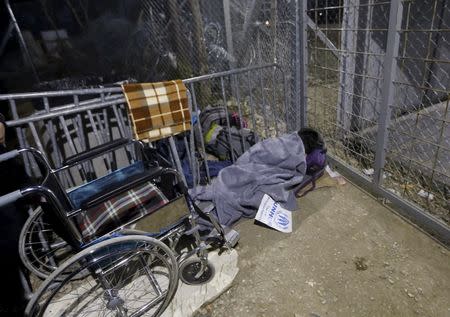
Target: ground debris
[(360, 263)]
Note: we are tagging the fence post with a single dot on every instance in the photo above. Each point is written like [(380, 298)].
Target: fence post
[(387, 90), (301, 59)]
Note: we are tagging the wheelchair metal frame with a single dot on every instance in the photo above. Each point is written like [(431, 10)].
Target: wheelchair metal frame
[(73, 235)]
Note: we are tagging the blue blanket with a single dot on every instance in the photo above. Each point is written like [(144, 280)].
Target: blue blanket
[(274, 166)]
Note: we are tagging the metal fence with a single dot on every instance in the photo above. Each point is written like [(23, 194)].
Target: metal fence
[(64, 123), (379, 91), (371, 75)]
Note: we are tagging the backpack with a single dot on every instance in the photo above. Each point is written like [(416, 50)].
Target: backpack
[(218, 115), (316, 159), (216, 133), (217, 141)]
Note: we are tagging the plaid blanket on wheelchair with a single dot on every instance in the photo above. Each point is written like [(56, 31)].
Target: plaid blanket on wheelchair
[(109, 215), (158, 110)]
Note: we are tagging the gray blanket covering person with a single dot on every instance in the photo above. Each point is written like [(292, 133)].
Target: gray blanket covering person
[(273, 166)]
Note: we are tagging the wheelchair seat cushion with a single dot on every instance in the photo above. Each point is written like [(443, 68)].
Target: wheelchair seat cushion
[(88, 191), (123, 208)]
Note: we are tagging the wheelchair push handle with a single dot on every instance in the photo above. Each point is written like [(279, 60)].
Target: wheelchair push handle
[(10, 198), (9, 155)]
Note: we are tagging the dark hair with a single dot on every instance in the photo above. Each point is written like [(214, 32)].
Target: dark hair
[(311, 139)]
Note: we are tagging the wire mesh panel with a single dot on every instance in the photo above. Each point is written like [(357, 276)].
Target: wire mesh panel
[(378, 88), (345, 75), (418, 149)]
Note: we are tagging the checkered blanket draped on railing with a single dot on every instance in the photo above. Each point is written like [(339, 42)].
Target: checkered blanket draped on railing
[(109, 215), (157, 110)]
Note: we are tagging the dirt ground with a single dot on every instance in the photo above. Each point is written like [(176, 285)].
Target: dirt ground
[(348, 255)]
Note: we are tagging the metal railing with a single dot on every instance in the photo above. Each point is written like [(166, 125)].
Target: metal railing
[(64, 123)]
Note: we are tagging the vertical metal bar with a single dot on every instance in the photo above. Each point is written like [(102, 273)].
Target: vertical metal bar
[(107, 133), (195, 167), (20, 135), (250, 100), (273, 108), (120, 124), (286, 100), (229, 32), (263, 101), (366, 64), (35, 135), (105, 136), (274, 15), (389, 70), (21, 39), (51, 131), (97, 137), (128, 131), (300, 63), (77, 123), (224, 98), (122, 132), (190, 158), (173, 149), (241, 120), (65, 179), (71, 145), (186, 146), (94, 127), (124, 119), (202, 141)]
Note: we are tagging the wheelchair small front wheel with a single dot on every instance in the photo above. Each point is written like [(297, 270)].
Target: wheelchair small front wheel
[(191, 271)]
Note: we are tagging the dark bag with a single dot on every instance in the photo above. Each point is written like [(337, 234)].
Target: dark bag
[(217, 135), (218, 115), (219, 143), (316, 159)]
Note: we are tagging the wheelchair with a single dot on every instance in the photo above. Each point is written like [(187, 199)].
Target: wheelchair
[(112, 246)]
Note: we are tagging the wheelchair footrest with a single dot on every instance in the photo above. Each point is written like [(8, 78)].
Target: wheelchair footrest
[(231, 237)]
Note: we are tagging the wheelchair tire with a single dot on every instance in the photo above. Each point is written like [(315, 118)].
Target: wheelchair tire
[(40, 248), (191, 267), (122, 276)]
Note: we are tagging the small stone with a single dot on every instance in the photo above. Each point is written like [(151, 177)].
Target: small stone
[(410, 295), (324, 301), (372, 298), (391, 280)]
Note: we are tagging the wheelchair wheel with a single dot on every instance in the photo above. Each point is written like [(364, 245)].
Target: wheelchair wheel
[(190, 272), (40, 248), (123, 276)]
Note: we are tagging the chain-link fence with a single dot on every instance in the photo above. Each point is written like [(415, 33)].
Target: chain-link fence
[(378, 89), (88, 44)]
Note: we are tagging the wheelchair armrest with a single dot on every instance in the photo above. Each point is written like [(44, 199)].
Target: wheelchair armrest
[(95, 151)]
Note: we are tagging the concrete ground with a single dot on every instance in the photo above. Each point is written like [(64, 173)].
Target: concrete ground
[(348, 255)]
